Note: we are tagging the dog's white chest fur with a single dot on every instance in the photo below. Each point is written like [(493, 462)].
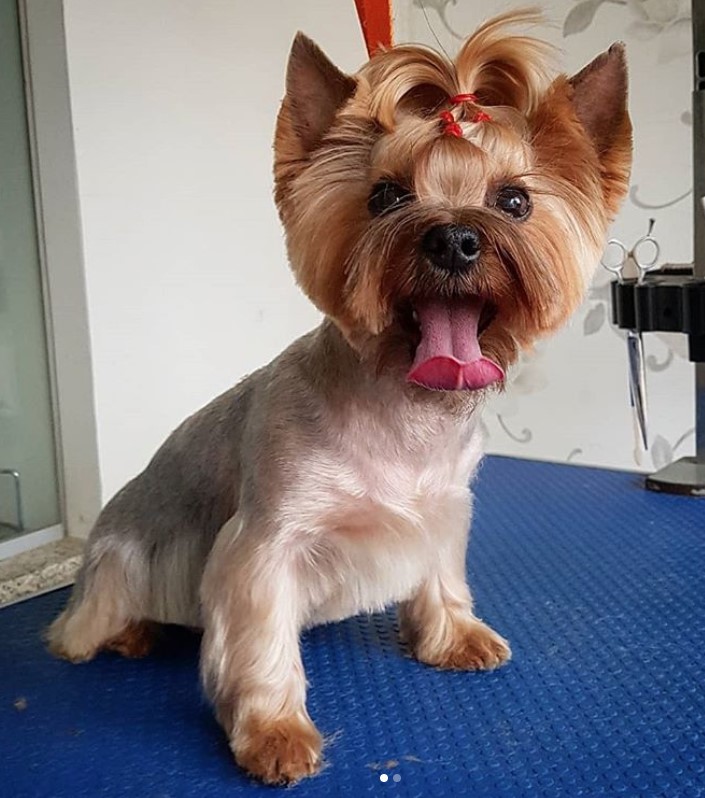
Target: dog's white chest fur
[(376, 504)]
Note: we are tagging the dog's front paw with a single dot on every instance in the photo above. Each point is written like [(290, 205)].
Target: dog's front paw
[(279, 751), (473, 646)]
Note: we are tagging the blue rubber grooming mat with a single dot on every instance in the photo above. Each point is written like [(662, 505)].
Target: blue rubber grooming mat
[(599, 585)]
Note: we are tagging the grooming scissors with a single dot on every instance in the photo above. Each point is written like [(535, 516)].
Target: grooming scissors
[(644, 255)]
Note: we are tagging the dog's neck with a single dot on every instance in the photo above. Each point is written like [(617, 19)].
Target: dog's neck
[(347, 373)]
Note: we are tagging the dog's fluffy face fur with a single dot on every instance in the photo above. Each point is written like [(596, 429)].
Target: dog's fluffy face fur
[(363, 171)]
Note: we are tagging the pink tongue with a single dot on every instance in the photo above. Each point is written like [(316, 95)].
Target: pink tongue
[(449, 357)]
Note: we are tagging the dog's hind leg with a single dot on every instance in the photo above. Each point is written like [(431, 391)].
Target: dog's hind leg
[(136, 639), (106, 608)]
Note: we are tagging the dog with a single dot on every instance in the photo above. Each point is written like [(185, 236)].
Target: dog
[(443, 216)]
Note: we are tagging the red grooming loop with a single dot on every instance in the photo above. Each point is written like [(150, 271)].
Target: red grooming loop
[(376, 23)]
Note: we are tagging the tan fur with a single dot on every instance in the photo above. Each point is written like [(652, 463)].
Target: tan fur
[(280, 751), (389, 129), (100, 614), (136, 640), (325, 484)]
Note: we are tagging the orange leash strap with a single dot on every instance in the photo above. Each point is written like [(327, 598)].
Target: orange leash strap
[(376, 23)]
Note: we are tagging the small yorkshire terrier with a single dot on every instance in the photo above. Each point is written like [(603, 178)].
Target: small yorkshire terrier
[(442, 216)]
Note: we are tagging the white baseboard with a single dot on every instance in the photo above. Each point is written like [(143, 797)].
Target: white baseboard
[(30, 540)]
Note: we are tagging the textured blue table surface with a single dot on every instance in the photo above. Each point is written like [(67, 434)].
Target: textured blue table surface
[(599, 585)]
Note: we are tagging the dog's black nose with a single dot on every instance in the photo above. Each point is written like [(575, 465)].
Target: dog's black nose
[(451, 247)]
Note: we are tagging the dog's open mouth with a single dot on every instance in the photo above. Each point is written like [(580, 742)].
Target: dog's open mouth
[(448, 356)]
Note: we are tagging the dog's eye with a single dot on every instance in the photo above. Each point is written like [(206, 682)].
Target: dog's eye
[(514, 202), (386, 196)]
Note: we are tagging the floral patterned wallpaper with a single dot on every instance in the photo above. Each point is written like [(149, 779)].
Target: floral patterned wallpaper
[(569, 400)]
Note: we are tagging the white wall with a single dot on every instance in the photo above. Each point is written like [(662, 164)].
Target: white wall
[(174, 103), (571, 401)]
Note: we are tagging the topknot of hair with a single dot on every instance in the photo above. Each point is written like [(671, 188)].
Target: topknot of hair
[(501, 67)]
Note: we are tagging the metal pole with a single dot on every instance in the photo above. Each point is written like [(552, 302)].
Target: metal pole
[(687, 475), (698, 13)]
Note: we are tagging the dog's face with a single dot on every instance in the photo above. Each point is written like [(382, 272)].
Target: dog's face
[(445, 215)]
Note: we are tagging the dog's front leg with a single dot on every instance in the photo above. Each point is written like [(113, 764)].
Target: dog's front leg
[(438, 622), (250, 659)]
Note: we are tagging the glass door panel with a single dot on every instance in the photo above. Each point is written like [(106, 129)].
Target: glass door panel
[(28, 478)]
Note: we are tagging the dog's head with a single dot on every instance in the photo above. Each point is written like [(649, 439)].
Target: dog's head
[(446, 214)]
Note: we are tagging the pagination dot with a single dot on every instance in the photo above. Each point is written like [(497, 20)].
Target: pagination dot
[(396, 777), (383, 777)]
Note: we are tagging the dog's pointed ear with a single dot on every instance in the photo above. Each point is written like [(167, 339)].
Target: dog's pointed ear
[(600, 97), (315, 90)]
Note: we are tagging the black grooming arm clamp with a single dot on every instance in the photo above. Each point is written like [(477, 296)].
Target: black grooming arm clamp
[(671, 300)]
